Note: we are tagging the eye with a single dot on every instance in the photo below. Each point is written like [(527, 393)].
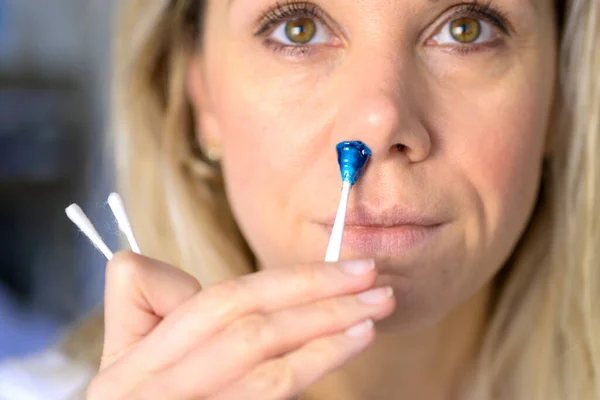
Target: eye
[(301, 31), (465, 30)]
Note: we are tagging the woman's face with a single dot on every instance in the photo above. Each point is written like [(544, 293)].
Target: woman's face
[(453, 99)]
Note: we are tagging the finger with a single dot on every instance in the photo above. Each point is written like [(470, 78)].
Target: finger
[(140, 292), (256, 338), (288, 376), (262, 292)]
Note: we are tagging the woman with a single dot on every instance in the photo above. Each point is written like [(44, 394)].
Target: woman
[(477, 209)]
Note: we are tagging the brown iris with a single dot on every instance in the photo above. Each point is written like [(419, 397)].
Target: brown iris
[(301, 30), (465, 30)]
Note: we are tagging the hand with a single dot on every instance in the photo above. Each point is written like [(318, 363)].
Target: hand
[(267, 335)]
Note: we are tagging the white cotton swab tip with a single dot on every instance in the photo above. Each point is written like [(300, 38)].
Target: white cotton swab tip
[(76, 214), (335, 241), (118, 209)]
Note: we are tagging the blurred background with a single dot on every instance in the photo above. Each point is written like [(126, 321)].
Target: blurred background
[(54, 88)]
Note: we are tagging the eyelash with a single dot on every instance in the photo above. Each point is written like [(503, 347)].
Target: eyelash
[(486, 12), (282, 12), (293, 9)]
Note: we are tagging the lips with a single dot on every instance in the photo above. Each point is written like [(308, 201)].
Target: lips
[(394, 231), (361, 217)]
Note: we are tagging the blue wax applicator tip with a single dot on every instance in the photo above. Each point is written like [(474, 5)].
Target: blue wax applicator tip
[(352, 157)]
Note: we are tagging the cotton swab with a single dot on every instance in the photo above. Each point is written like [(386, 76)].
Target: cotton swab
[(352, 158), (335, 241), (118, 209), (76, 214)]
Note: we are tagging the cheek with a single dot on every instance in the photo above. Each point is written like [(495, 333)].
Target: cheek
[(506, 167), (499, 154), (492, 128), (266, 136), (251, 153)]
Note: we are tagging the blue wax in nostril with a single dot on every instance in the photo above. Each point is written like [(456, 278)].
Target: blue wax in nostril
[(352, 157)]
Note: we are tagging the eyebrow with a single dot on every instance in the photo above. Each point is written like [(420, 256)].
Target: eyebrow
[(533, 3), (230, 2)]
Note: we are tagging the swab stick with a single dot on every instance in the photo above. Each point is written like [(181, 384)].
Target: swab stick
[(352, 158)]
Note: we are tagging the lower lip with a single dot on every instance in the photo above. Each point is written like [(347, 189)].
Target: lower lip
[(394, 240)]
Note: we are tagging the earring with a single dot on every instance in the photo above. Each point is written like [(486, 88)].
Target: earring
[(212, 152)]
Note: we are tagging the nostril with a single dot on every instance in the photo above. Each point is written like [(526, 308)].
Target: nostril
[(400, 147)]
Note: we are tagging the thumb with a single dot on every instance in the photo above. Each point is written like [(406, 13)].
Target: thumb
[(139, 293)]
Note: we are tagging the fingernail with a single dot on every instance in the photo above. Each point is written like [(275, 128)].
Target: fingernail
[(360, 329), (375, 296), (357, 267)]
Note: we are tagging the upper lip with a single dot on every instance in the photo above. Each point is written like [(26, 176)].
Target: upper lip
[(388, 218)]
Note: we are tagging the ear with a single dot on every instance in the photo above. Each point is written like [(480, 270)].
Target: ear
[(207, 128)]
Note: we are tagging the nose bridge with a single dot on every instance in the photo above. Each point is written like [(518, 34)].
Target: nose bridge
[(373, 102), (381, 70), (376, 108)]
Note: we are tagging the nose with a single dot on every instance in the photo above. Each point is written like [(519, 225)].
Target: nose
[(383, 119)]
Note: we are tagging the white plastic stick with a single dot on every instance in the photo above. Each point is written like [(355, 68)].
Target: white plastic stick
[(335, 241), (118, 209), (76, 214)]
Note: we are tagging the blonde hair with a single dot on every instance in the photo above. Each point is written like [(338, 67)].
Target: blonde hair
[(543, 337)]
